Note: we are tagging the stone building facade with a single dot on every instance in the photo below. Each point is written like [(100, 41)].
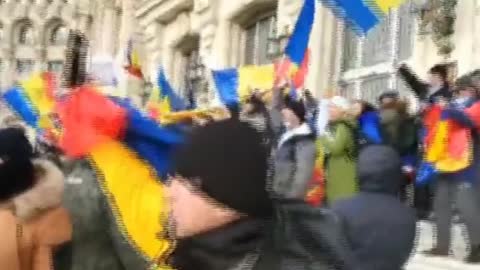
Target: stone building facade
[(33, 35), (187, 37)]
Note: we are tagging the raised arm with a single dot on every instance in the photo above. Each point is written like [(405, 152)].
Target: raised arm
[(419, 87)]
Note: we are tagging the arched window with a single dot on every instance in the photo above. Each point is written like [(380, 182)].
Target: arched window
[(26, 35), (59, 35), (260, 40)]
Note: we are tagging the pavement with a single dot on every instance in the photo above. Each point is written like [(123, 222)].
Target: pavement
[(426, 240)]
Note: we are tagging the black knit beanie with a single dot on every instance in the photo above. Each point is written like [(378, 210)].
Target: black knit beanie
[(16, 168), (297, 107), (441, 70), (230, 162)]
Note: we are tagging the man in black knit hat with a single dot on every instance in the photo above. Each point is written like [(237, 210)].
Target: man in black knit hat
[(224, 217)]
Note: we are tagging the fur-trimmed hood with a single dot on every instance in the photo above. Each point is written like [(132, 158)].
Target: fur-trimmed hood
[(46, 194)]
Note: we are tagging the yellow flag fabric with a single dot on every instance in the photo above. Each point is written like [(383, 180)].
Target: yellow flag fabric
[(386, 5), (438, 154), (252, 77), (36, 90), (137, 199)]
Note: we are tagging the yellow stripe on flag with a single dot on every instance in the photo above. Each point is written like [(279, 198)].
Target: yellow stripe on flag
[(36, 90), (136, 197), (386, 5)]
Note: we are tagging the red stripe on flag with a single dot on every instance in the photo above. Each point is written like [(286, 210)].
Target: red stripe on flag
[(299, 77), (281, 71)]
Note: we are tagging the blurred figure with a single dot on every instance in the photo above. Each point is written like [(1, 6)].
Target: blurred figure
[(428, 92), (340, 148), (32, 221), (256, 113), (368, 123), (400, 131), (380, 229), (460, 187), (224, 217), (295, 154)]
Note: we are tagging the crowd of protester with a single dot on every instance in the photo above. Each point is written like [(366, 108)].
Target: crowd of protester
[(238, 195)]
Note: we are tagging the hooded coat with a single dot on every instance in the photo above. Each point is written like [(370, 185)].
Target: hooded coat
[(39, 227), (340, 149), (379, 228)]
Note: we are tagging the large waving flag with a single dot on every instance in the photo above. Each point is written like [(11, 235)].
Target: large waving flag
[(33, 100), (233, 85), (294, 66), (362, 15), (131, 154), (298, 42)]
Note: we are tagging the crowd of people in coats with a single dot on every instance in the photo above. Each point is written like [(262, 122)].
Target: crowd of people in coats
[(238, 195)]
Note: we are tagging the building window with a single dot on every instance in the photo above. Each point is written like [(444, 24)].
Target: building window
[(260, 41), (26, 35), (55, 66), (369, 62), (194, 76), (25, 67), (59, 35)]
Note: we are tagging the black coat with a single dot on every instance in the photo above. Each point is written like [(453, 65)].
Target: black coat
[(298, 237), (379, 228)]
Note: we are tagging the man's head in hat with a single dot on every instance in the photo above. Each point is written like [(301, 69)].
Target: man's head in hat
[(293, 112), (220, 178)]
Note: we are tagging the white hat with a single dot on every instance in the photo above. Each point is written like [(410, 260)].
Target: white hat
[(340, 102)]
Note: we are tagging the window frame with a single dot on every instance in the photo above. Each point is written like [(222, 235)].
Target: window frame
[(194, 63), (24, 30), (19, 62), (361, 71), (53, 38), (256, 24)]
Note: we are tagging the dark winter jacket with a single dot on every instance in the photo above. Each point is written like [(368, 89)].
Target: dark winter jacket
[(298, 237), (421, 89), (379, 228), (97, 244)]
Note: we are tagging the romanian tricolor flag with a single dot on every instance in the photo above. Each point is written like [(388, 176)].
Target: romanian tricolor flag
[(34, 101), (294, 66), (131, 154), (234, 85), (448, 144), (362, 15)]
